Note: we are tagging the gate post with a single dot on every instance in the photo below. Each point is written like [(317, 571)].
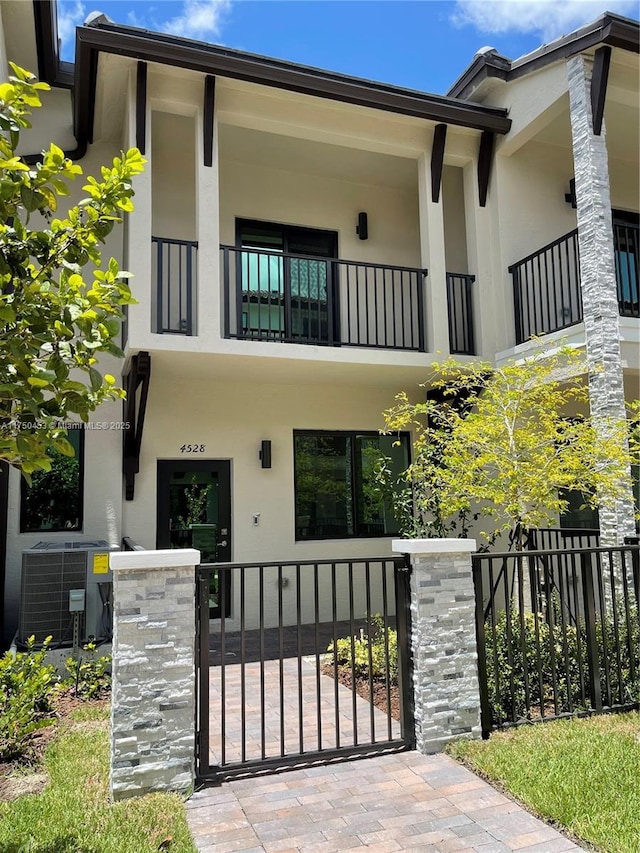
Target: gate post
[(443, 640), (153, 678)]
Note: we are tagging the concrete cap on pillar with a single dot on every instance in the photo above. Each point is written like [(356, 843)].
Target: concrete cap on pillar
[(433, 546), (168, 558)]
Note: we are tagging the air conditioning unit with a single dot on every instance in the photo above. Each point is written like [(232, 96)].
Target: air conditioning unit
[(50, 570)]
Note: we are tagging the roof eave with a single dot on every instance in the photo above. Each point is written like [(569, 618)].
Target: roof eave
[(211, 59), (609, 29)]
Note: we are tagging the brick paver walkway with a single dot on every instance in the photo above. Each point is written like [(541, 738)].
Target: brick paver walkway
[(402, 802), (306, 701)]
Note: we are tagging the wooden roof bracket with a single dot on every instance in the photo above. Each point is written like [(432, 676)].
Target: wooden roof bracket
[(485, 160), (135, 407), (437, 160), (599, 79)]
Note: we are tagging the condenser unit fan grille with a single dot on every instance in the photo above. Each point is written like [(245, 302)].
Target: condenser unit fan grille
[(46, 581)]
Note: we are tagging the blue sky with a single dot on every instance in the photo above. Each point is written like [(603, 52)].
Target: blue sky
[(421, 44)]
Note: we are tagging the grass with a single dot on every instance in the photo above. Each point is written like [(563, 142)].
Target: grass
[(73, 814), (581, 773)]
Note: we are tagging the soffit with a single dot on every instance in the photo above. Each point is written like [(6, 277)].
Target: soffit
[(270, 150)]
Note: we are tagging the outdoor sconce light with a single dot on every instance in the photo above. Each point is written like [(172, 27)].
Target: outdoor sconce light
[(362, 228), (265, 454), (570, 197)]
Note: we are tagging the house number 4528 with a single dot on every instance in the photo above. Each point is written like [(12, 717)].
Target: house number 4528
[(193, 448)]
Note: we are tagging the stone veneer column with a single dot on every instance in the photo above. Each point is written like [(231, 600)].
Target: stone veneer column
[(443, 640), (153, 682), (598, 284)]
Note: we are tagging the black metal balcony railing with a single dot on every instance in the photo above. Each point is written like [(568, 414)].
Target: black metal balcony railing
[(460, 311), (175, 270), (546, 289), (276, 296), (546, 284), (626, 239)]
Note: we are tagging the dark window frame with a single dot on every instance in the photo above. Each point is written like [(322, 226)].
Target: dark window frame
[(286, 230), (81, 472), (353, 434)]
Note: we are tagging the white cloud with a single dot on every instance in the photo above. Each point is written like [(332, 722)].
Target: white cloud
[(71, 14), (547, 18), (200, 19)]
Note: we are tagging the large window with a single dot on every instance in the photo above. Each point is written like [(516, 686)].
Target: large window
[(578, 515), (53, 501), (336, 491)]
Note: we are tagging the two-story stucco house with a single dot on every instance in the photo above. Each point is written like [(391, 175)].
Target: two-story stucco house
[(304, 245)]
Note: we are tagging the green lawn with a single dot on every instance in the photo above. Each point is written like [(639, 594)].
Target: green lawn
[(73, 814), (582, 773)]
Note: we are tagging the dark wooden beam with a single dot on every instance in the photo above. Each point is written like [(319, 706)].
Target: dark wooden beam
[(135, 407), (141, 107), (437, 160), (207, 119), (485, 159), (600, 76)]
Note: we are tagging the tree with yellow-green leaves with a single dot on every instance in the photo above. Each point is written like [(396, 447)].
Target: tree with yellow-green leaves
[(60, 306), (504, 444)]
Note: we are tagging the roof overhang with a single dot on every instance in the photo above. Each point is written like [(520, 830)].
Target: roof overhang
[(609, 29), (215, 60), (147, 46)]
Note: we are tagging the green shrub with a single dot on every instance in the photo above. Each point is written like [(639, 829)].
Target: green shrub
[(369, 650), (26, 685), (90, 675), (536, 658)]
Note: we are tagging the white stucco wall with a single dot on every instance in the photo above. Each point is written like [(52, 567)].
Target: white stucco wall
[(231, 419), (253, 192)]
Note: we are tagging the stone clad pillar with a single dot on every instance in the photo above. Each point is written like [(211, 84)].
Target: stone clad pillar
[(598, 285), (153, 680), (443, 640)]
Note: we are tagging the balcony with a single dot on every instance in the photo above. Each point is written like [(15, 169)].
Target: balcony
[(276, 296), (174, 266), (546, 284)]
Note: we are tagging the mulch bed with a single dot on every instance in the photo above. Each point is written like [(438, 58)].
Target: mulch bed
[(362, 688)]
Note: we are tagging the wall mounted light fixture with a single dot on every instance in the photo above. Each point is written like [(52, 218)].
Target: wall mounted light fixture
[(265, 454), (570, 197), (362, 228)]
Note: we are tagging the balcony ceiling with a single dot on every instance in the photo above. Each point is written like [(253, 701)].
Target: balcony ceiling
[(622, 113), (623, 136), (270, 150)]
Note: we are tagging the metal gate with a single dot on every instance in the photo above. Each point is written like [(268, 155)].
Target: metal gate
[(308, 662)]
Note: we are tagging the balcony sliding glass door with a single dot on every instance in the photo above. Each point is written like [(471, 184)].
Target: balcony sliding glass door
[(282, 297)]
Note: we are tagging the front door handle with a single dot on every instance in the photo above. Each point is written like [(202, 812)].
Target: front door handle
[(222, 544)]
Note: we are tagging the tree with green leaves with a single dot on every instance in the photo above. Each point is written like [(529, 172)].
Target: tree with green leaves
[(59, 306), (507, 443)]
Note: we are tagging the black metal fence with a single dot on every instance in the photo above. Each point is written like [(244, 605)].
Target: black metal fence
[(175, 268), (276, 296), (460, 313), (561, 538), (310, 662), (558, 633)]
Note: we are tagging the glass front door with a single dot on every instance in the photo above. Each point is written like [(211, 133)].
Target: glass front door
[(194, 511)]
